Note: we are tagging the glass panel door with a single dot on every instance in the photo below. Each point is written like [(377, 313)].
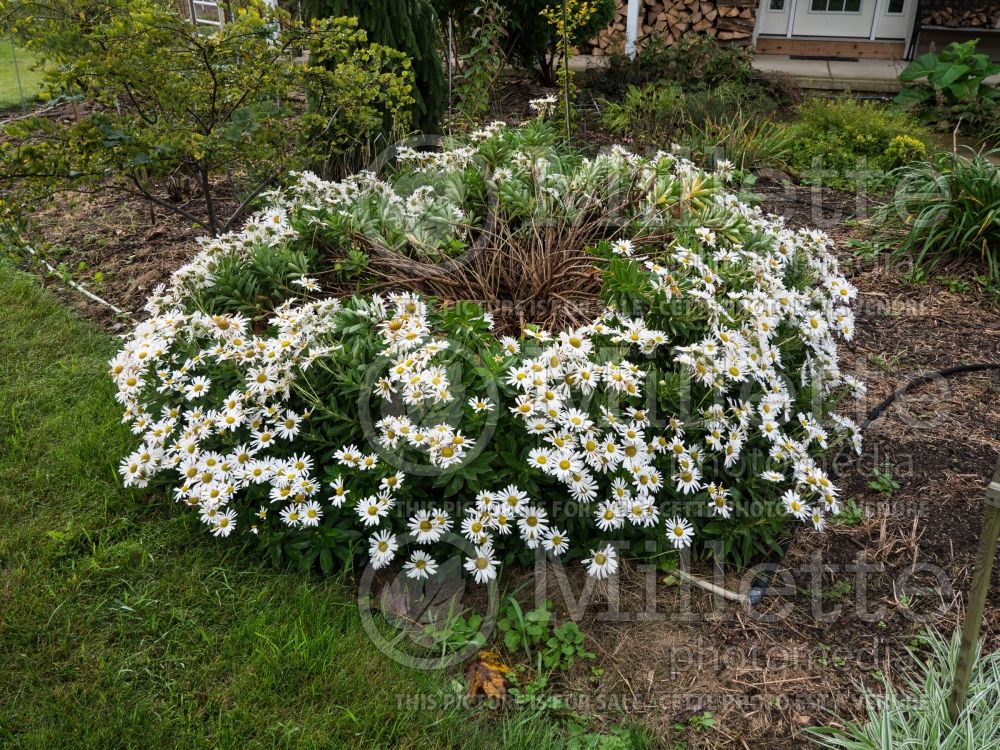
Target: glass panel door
[(774, 16), (837, 18), (895, 19)]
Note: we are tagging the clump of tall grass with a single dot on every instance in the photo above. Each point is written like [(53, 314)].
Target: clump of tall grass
[(949, 209), (747, 142), (730, 121), (916, 716)]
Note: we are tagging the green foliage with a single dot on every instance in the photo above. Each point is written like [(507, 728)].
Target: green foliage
[(197, 641), (915, 714), (481, 57), (524, 631), (554, 648), (649, 114), (631, 737), (843, 142), (883, 481), (948, 209), (730, 122), (748, 538), (410, 27), (851, 514), (568, 20), (948, 86), (353, 265), (699, 95), (748, 143), (456, 633), (532, 40), (699, 722), (905, 149), (695, 61), (564, 647), (656, 112), (177, 116)]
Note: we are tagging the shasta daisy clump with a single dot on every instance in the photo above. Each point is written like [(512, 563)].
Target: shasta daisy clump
[(699, 404)]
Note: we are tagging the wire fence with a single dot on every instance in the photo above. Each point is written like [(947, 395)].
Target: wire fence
[(20, 82)]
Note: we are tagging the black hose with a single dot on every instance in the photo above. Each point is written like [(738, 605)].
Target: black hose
[(927, 377), (760, 585), (844, 458)]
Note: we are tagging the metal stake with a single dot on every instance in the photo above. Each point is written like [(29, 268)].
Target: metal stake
[(17, 73), (977, 597), (565, 55)]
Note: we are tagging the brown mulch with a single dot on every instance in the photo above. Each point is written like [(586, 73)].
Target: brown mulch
[(125, 250)]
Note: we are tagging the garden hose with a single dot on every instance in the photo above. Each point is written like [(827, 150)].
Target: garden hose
[(927, 377), (760, 585)]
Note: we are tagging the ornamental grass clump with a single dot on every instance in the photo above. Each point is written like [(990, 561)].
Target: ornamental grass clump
[(948, 210), (698, 401)]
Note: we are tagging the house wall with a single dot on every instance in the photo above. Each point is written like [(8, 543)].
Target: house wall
[(733, 22)]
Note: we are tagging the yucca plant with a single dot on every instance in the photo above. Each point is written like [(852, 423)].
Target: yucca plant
[(950, 209), (917, 715)]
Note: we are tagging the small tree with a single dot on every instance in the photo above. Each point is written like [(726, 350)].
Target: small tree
[(197, 124), (409, 26), (534, 41)]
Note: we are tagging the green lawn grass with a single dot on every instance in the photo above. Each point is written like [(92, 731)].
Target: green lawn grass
[(11, 95), (122, 625)]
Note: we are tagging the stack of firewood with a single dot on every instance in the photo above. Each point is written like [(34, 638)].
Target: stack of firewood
[(985, 16), (668, 20)]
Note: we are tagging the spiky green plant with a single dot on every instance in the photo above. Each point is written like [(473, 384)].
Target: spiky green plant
[(747, 142), (949, 209), (916, 716)]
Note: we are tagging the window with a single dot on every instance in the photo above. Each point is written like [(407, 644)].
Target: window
[(895, 7), (778, 5), (836, 6)]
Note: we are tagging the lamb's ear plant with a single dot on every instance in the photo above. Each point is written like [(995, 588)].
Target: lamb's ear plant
[(915, 715)]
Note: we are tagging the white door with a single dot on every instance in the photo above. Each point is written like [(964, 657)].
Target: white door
[(840, 18), (895, 19), (774, 15)]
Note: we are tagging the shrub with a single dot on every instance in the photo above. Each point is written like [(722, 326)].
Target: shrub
[(176, 116), (325, 428), (532, 39), (949, 209), (746, 143), (480, 60), (839, 142), (654, 113), (949, 87), (710, 126), (409, 26), (696, 60), (651, 114), (917, 715)]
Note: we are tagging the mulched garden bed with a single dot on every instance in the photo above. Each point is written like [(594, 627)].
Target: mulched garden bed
[(761, 680)]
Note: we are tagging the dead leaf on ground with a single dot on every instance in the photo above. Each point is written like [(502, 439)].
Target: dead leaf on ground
[(487, 675)]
